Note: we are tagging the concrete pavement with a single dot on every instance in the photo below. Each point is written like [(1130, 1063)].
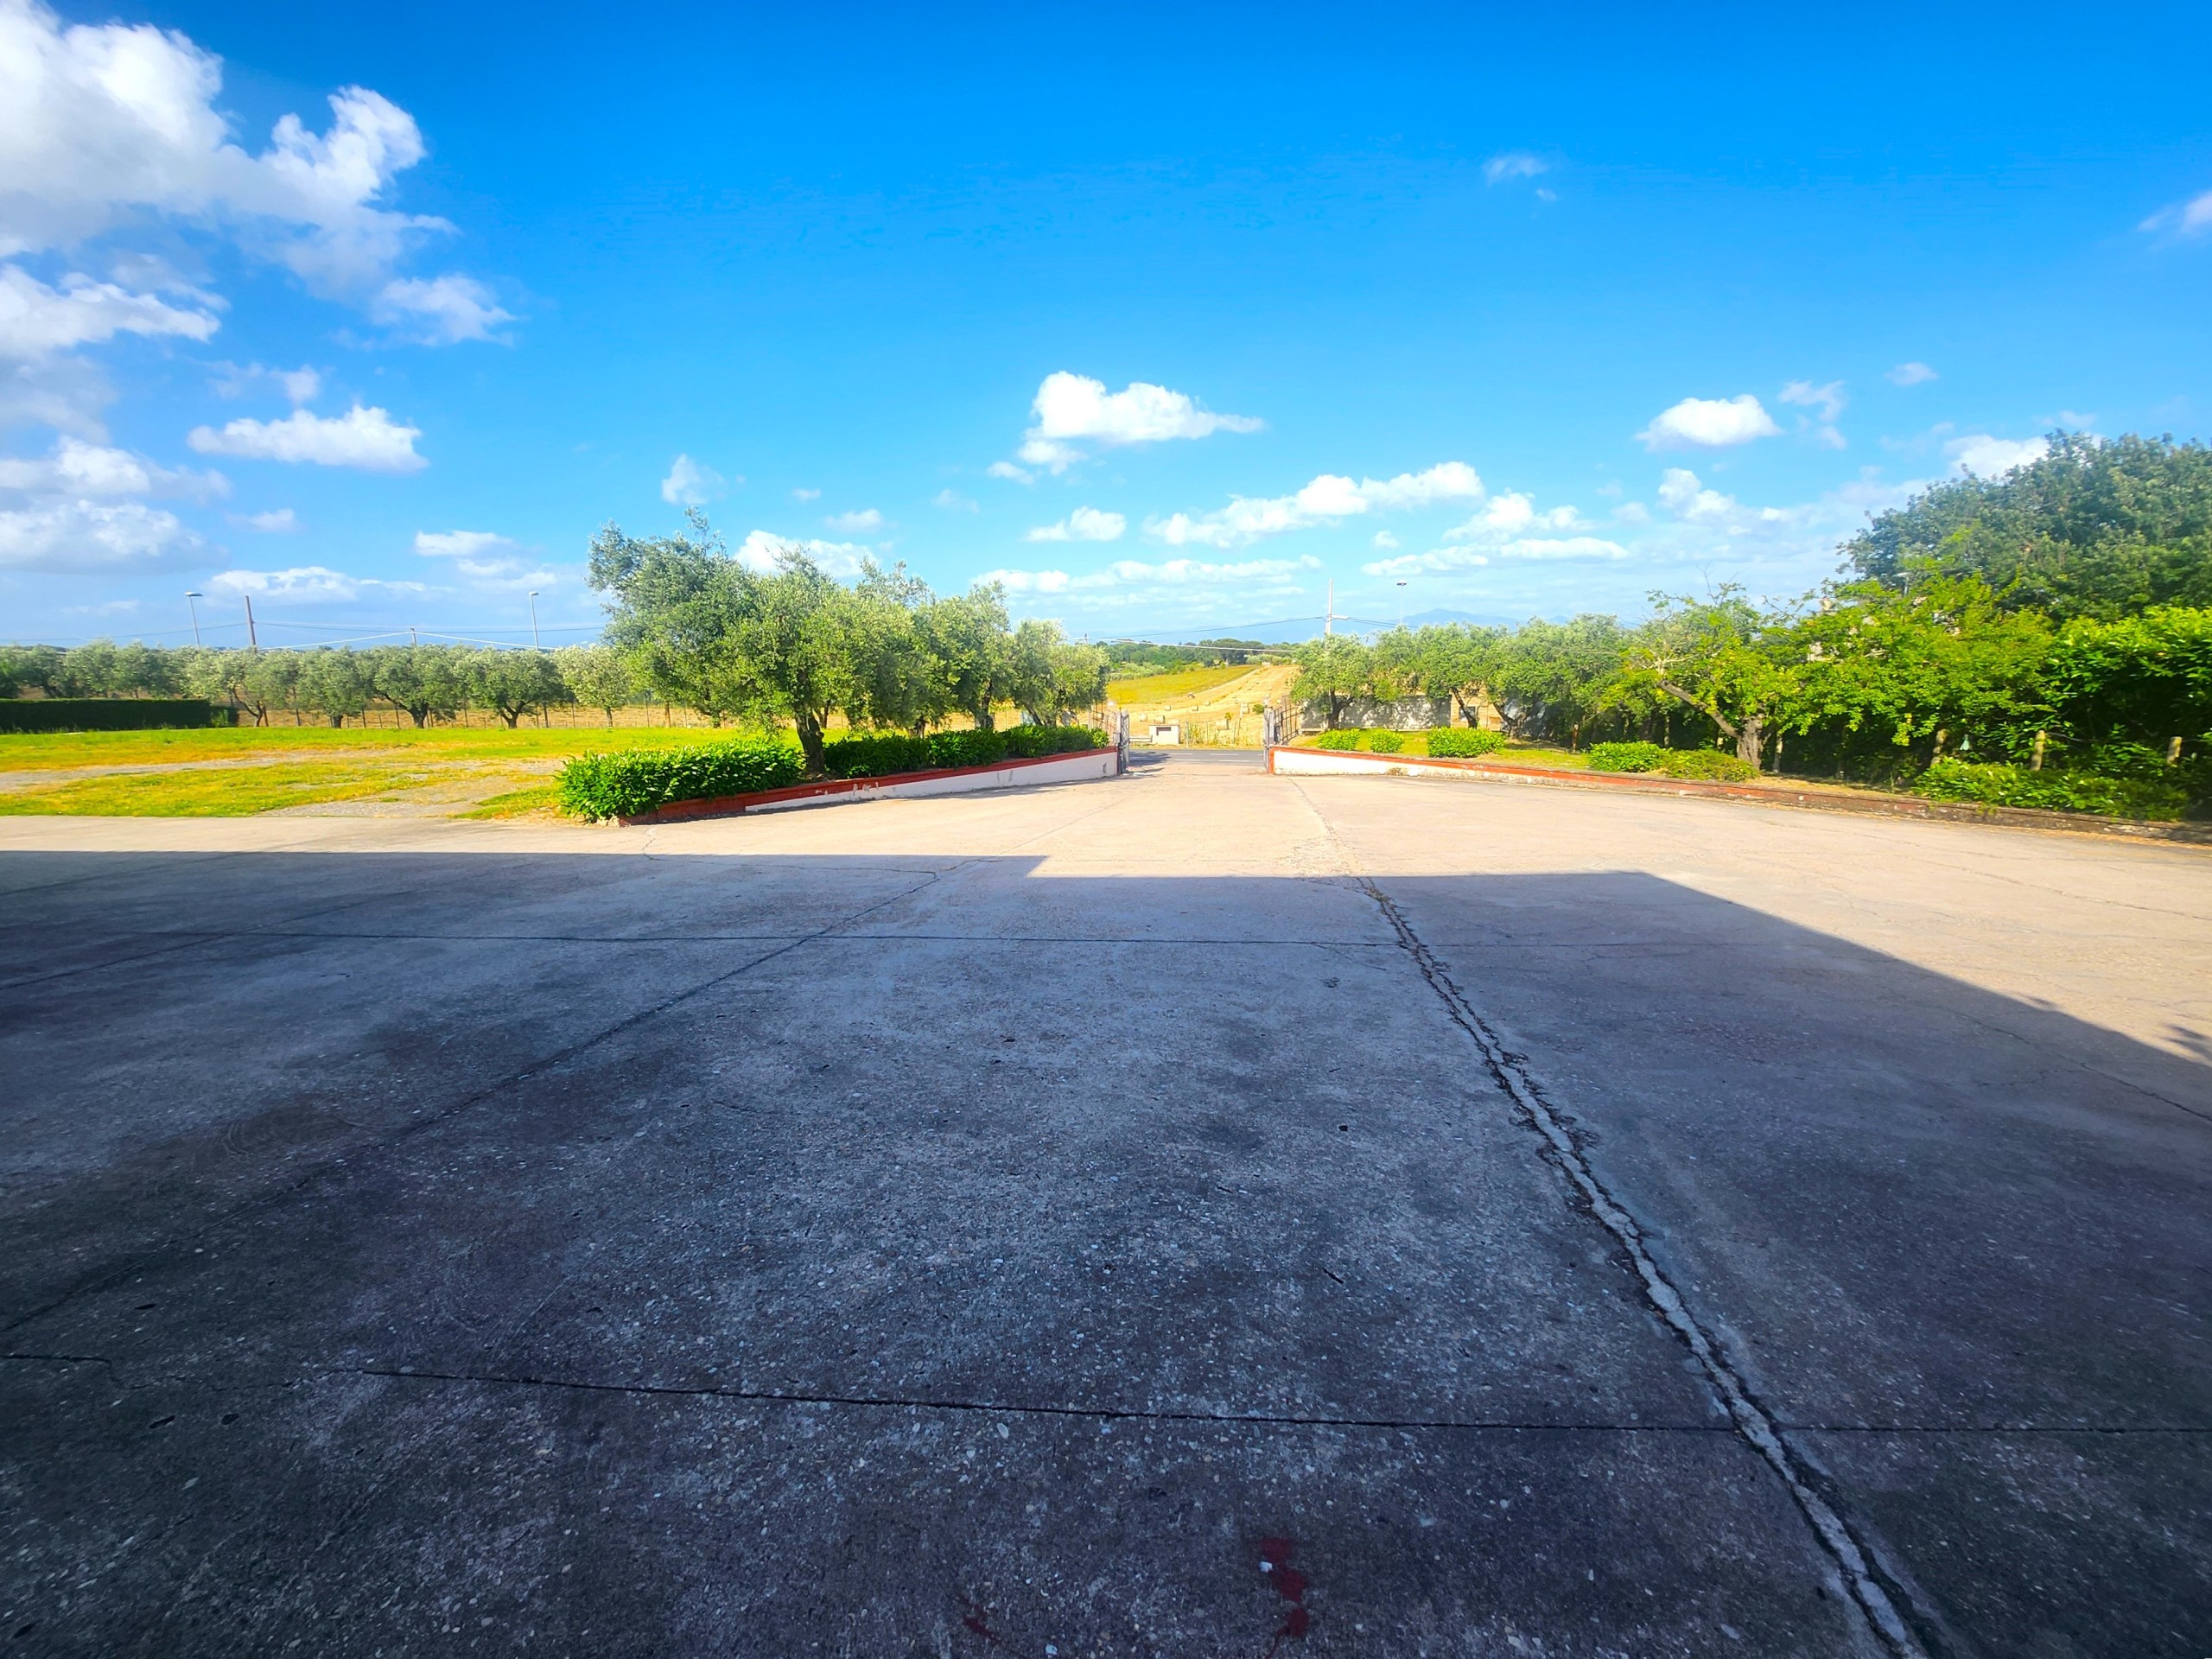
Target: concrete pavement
[(1194, 1213)]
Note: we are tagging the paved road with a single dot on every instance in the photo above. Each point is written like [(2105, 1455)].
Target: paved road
[(1195, 1214)]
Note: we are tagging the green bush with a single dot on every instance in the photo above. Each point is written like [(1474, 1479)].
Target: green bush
[(1347, 739), (1628, 757), (875, 754), (597, 786), (1464, 741), (1709, 764), (1384, 742), (2061, 791), (109, 713)]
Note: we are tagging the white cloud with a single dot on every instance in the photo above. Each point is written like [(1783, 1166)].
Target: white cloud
[(100, 123), (366, 438), (1072, 408), (952, 501), (1513, 164), (77, 468), (1511, 514), (806, 495), (1169, 572), (439, 311), (1909, 374), (306, 584), (37, 321), (302, 385), (1709, 423), (760, 549), (2190, 218), (1828, 399), (74, 535), (66, 393), (1084, 524), (1988, 457), (281, 521), (458, 543), (690, 485), (1632, 512), (1325, 500), (866, 518), (1682, 494), (1007, 469), (1508, 526), (1383, 539)]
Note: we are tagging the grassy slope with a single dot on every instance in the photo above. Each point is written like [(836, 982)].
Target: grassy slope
[(1150, 688)]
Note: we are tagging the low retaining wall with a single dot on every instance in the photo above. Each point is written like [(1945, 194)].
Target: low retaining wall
[(1313, 762), (1078, 766)]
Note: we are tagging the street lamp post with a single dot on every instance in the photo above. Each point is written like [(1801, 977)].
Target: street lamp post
[(190, 594), (1401, 604), (534, 643)]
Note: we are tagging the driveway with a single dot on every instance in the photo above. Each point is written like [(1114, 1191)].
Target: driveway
[(1199, 1213)]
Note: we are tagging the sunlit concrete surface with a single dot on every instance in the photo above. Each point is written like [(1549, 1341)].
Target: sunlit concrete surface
[(1518, 1221)]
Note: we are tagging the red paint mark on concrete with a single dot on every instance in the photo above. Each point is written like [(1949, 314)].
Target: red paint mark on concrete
[(1289, 1583)]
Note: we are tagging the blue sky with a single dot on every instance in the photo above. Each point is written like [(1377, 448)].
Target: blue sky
[(1169, 318)]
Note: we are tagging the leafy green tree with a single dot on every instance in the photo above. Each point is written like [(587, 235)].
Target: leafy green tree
[(429, 682), (675, 600), (1332, 671), (1720, 656), (793, 649), (25, 668), (1933, 666), (337, 683), (2097, 527), (598, 676), (2142, 680), (1053, 677), (900, 687), (968, 638), (512, 682), (1556, 678), (88, 670), (1457, 662)]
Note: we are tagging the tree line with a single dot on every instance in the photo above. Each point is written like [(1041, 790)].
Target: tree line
[(793, 643), (2061, 614), (425, 682)]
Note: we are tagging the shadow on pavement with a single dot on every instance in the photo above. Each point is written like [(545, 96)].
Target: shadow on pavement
[(923, 1254)]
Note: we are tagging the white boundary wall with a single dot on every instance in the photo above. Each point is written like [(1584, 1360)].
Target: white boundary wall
[(1053, 769)]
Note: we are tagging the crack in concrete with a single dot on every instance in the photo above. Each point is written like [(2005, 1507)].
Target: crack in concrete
[(1751, 1421)]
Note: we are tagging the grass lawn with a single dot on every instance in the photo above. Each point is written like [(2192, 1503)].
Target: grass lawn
[(1526, 754), (225, 772)]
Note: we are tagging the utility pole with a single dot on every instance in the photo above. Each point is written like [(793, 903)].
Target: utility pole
[(534, 644), (252, 639), (1329, 622), (190, 594), (410, 637), (1402, 605)]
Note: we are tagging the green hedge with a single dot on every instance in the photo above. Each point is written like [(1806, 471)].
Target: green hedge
[(1344, 740), (1626, 757), (623, 785), (1462, 742), (1710, 764), (598, 786), (109, 713), (2061, 791), (1384, 742)]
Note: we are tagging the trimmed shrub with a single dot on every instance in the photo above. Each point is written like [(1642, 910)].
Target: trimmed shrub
[(1344, 740), (1384, 742), (2059, 791), (110, 714), (1464, 741), (597, 786), (1709, 764), (875, 754), (1629, 757)]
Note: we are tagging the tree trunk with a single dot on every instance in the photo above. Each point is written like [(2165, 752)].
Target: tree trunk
[(809, 742), (420, 716), (983, 717), (1751, 740), (509, 718)]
